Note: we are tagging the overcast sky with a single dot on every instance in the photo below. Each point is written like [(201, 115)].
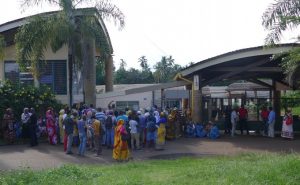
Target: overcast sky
[(190, 30)]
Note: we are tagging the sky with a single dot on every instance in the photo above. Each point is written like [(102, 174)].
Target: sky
[(190, 30)]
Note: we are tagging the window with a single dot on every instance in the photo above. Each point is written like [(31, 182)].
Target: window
[(11, 71), (52, 74), (121, 105)]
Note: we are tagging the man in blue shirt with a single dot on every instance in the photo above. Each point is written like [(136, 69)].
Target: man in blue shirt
[(100, 115), (271, 122)]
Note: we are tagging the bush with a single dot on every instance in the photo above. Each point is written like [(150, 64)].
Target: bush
[(290, 99), (18, 97)]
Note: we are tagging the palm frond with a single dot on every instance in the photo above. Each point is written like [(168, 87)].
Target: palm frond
[(62, 30), (280, 16), (29, 3), (90, 26), (32, 40), (290, 61), (110, 11)]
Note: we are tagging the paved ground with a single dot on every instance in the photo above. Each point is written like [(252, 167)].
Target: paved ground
[(46, 156)]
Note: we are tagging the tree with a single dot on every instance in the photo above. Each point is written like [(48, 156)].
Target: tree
[(121, 73), (144, 63), (165, 69), (79, 29), (280, 16), (146, 73)]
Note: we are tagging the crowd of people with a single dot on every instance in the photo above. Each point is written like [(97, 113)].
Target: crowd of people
[(239, 116), (88, 128)]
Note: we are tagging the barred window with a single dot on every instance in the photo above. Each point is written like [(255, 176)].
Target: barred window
[(53, 73), (11, 71), (121, 105)]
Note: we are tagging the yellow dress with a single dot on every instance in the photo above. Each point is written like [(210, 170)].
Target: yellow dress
[(120, 151), (60, 123), (161, 135)]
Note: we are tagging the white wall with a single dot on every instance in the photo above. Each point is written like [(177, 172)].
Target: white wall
[(144, 99)]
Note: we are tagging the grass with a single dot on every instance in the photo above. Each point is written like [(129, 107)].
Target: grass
[(242, 169)]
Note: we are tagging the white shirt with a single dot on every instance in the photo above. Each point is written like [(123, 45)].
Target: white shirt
[(233, 116), (133, 128)]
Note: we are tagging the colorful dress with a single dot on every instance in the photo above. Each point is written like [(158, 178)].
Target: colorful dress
[(60, 123), (51, 129), (9, 130), (120, 151), (287, 127), (161, 134), (171, 125)]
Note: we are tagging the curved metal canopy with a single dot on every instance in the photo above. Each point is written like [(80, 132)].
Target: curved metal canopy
[(249, 64)]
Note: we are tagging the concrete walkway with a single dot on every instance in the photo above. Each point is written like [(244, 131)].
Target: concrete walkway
[(47, 156)]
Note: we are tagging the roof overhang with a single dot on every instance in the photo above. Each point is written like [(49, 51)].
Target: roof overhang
[(250, 64), (238, 54)]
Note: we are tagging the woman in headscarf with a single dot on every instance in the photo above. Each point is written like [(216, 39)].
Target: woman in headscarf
[(157, 117), (171, 129), (120, 151), (161, 132), (8, 125), (60, 123), (287, 125), (50, 124), (25, 123)]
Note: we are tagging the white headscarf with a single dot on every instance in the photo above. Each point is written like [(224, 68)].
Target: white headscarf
[(156, 115)]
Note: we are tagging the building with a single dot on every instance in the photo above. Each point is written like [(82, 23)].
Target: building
[(54, 67)]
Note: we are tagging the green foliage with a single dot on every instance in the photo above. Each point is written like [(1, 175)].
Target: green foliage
[(17, 98), (165, 70), (134, 76), (281, 16), (66, 27), (290, 61), (243, 169), (290, 99)]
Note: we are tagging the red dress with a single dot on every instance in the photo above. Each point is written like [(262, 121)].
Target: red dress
[(51, 129)]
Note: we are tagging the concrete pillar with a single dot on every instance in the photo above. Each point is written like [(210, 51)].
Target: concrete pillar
[(162, 98), (197, 100), (197, 107), (276, 100), (109, 64), (209, 108), (185, 104)]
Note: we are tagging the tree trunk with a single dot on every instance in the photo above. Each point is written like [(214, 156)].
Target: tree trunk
[(89, 70), (109, 74), (71, 60)]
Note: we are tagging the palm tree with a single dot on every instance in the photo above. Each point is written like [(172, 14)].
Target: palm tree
[(163, 69), (79, 29), (280, 16)]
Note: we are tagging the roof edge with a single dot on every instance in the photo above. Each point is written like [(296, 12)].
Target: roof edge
[(231, 53)]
